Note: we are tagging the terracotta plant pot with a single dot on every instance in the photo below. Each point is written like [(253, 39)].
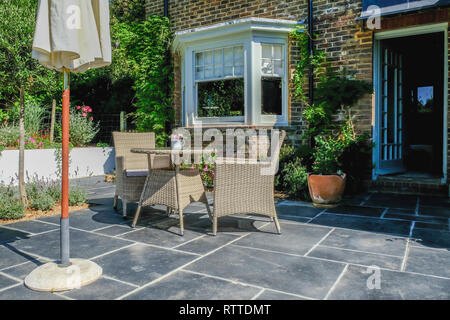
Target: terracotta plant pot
[(326, 190)]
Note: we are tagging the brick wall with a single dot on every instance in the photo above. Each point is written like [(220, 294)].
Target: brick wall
[(346, 41)]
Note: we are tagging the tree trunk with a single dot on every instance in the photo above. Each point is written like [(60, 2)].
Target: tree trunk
[(52, 123), (23, 193)]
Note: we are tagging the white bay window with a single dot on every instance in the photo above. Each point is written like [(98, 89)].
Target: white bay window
[(235, 72)]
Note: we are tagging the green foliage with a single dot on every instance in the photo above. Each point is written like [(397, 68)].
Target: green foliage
[(10, 205), (341, 90), (294, 164), (34, 117), (77, 196), (305, 60), (17, 22), (337, 153), (128, 10), (221, 98), (45, 202), (146, 47), (82, 129), (9, 135), (295, 181)]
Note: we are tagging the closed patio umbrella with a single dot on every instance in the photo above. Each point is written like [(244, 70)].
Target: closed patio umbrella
[(70, 36)]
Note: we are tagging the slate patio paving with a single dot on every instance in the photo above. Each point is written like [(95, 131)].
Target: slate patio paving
[(321, 254)]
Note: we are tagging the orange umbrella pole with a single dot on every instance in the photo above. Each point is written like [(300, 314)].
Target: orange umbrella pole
[(65, 248)]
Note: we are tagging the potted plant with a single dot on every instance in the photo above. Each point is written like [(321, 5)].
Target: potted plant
[(326, 182)]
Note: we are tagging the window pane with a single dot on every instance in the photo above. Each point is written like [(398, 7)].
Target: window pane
[(199, 61), (266, 51), (209, 72), (238, 71), (271, 96), (208, 58), (238, 56), (277, 51), (228, 71), (222, 98), (272, 59), (266, 66), (228, 55), (199, 73), (218, 63), (278, 68)]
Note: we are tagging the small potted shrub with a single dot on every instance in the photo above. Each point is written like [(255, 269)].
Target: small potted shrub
[(326, 183)]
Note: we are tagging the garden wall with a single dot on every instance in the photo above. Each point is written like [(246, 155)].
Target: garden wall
[(84, 162)]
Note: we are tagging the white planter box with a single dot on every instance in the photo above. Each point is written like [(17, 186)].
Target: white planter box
[(84, 162)]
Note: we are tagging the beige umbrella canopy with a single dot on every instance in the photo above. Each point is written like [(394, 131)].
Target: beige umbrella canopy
[(72, 34)]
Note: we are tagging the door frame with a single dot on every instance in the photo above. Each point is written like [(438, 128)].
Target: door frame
[(404, 32)]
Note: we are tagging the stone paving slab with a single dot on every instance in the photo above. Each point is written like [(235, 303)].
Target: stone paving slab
[(297, 210), (431, 262), (393, 285), (8, 235), (21, 292), (20, 271), (274, 295), (292, 274), (207, 243), (294, 238), (32, 226), (364, 224), (366, 242), (320, 254), (357, 210), (84, 245), (357, 257), (6, 282), (9, 256), (141, 264), (102, 289), (188, 286)]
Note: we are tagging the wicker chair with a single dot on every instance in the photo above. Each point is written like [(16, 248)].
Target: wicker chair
[(132, 168), (241, 188)]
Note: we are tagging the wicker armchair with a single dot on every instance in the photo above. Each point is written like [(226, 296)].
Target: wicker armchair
[(132, 168), (246, 188)]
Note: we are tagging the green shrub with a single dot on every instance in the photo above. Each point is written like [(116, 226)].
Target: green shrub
[(289, 154), (9, 135), (11, 209), (77, 196), (295, 181), (44, 202), (34, 116), (10, 206), (82, 129)]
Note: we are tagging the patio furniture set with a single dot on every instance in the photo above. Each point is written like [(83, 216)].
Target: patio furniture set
[(155, 176)]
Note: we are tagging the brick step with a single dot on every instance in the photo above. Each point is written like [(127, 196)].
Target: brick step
[(408, 186)]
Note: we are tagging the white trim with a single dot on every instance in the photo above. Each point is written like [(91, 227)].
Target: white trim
[(404, 32), (233, 27)]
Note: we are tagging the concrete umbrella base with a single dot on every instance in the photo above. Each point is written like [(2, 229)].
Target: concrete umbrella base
[(52, 278)]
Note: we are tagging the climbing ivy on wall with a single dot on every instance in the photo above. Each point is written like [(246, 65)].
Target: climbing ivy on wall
[(145, 47)]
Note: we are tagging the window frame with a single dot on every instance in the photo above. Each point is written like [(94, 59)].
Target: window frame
[(231, 119), (251, 38)]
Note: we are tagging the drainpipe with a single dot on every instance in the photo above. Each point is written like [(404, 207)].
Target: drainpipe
[(166, 8), (310, 45)]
